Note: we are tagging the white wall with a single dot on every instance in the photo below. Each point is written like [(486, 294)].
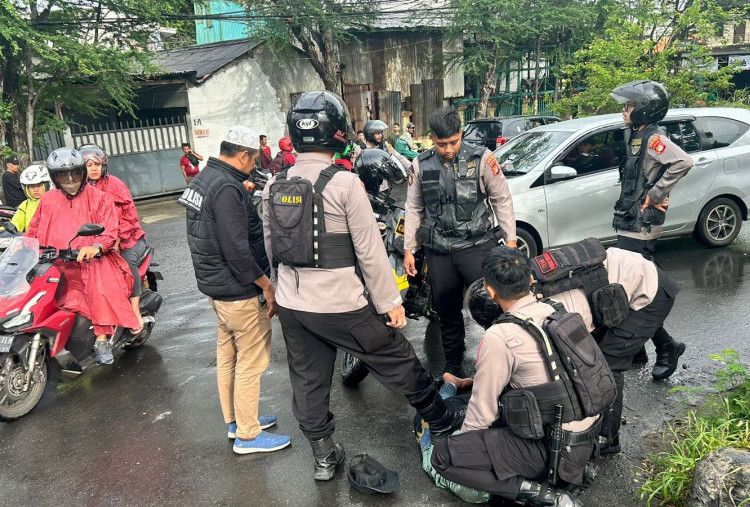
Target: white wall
[(242, 94)]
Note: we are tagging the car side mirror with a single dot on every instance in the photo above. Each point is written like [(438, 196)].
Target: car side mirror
[(562, 172), (90, 230)]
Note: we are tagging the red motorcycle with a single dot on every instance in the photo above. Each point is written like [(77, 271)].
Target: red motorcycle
[(35, 331)]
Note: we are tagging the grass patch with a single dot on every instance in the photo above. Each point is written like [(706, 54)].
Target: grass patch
[(724, 421)]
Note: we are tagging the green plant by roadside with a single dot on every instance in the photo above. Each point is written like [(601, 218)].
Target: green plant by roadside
[(724, 421)]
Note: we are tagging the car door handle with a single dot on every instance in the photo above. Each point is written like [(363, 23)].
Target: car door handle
[(702, 162), (617, 183)]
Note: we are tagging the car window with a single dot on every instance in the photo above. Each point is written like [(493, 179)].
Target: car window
[(721, 132), (483, 130), (521, 154), (513, 128), (597, 152), (684, 135), (534, 122)]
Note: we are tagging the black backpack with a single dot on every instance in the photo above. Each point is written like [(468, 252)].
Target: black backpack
[(299, 237), (580, 266), (572, 356)]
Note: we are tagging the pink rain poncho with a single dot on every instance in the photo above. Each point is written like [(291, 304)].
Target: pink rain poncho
[(100, 289)]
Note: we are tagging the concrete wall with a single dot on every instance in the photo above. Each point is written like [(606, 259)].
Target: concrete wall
[(254, 91)]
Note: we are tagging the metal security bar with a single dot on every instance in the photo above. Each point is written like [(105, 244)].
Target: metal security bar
[(134, 136)]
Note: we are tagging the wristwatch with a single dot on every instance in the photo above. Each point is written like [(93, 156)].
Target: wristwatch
[(100, 247)]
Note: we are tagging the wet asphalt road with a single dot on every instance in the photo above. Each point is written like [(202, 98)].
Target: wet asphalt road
[(148, 429)]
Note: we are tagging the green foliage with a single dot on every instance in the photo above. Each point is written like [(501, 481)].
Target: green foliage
[(310, 27), (78, 55), (723, 422), (650, 39)]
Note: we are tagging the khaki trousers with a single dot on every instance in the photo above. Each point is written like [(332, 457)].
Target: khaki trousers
[(243, 349)]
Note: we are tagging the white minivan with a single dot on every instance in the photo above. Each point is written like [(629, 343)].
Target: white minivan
[(564, 177)]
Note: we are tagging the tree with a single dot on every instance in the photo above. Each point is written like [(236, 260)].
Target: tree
[(313, 28), (500, 31), (79, 55), (665, 42)]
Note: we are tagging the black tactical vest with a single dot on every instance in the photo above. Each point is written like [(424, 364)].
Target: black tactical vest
[(457, 215), (211, 270), (633, 182)]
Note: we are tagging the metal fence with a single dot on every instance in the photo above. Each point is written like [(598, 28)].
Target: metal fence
[(134, 136), (508, 105), (144, 153), (51, 141)]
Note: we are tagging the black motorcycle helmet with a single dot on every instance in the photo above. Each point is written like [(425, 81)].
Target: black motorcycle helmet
[(318, 121), (650, 98), (375, 165), (61, 163), (373, 127), (483, 310), (92, 151)]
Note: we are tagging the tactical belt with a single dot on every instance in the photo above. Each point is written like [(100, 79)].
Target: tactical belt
[(582, 437)]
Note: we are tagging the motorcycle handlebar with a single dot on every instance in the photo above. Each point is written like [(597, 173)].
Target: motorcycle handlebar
[(49, 253)]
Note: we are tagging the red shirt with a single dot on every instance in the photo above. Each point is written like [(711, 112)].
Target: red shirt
[(190, 170), (265, 157)]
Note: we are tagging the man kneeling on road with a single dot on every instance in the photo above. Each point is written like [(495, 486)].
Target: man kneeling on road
[(621, 294), (509, 460)]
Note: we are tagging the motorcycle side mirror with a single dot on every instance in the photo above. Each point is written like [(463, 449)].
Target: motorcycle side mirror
[(90, 230), (10, 227), (87, 230)]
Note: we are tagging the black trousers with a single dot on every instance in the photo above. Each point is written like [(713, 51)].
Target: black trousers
[(621, 343), (497, 461), (449, 275), (311, 343), (647, 248)]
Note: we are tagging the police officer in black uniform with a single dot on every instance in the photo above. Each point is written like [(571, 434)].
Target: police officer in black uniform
[(454, 188), (335, 288), (653, 166)]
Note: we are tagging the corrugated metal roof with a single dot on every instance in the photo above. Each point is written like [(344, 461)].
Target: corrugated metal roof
[(204, 59)]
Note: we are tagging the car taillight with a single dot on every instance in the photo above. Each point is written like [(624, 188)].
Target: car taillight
[(501, 141)]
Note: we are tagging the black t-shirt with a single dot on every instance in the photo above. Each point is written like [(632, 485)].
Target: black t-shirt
[(12, 189)]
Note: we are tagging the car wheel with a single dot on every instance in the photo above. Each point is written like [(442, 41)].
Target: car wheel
[(526, 242), (719, 223)]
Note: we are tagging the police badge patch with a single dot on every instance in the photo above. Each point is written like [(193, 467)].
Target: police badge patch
[(493, 165), (657, 145), (635, 146)]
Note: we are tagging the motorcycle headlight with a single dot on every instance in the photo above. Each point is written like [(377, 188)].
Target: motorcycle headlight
[(19, 320), (25, 316)]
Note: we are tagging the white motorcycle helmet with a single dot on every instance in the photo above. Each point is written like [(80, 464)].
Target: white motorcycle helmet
[(34, 175)]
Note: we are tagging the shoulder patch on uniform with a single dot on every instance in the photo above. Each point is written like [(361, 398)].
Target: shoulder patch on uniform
[(493, 165), (657, 144)]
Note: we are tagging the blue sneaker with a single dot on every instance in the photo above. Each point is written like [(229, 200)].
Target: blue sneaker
[(103, 351), (264, 442), (265, 421)]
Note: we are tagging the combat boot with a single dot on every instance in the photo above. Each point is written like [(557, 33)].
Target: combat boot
[(668, 352), (545, 495), (328, 455), (442, 422)]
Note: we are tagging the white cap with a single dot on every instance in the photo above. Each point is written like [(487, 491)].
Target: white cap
[(244, 137)]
